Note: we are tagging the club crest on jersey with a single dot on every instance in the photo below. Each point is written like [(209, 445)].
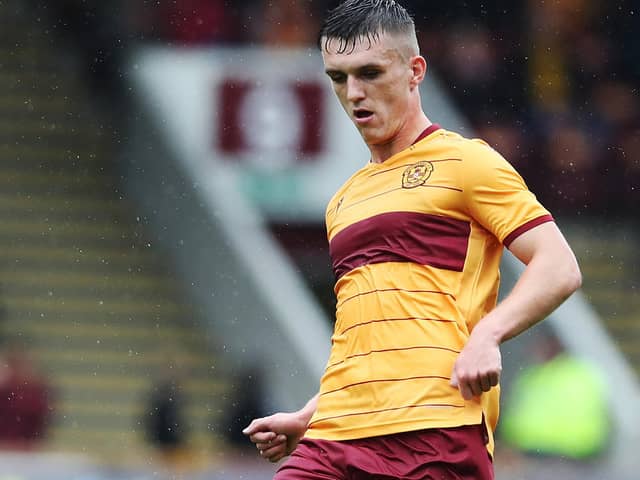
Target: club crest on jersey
[(416, 174)]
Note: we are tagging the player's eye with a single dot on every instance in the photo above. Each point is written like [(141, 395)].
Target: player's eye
[(337, 77), (371, 74)]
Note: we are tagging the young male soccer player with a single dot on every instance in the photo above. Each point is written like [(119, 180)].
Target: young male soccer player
[(411, 386)]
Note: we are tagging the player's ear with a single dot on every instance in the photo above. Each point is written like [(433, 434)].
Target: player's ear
[(418, 70)]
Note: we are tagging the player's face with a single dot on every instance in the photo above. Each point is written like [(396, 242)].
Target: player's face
[(372, 83)]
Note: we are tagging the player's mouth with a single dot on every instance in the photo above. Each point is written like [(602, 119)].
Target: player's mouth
[(362, 116)]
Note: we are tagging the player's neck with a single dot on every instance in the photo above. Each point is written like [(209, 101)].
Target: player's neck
[(402, 140)]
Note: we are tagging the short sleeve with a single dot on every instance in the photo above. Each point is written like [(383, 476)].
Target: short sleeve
[(496, 196)]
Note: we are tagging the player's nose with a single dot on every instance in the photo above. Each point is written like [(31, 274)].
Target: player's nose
[(355, 90)]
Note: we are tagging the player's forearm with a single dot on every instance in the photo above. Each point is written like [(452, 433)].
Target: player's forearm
[(548, 280)]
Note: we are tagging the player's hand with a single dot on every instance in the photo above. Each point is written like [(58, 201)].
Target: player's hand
[(478, 366), (276, 436)]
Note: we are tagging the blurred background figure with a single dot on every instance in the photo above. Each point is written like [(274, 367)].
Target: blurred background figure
[(287, 23), (189, 23), (557, 406), (246, 401), (164, 421), (570, 171), (25, 400)]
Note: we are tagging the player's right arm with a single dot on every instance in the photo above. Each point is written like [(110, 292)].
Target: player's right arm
[(276, 436)]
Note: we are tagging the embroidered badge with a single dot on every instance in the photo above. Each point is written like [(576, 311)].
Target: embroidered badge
[(416, 174)]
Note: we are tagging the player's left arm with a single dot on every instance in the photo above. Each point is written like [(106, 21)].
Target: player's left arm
[(550, 277)]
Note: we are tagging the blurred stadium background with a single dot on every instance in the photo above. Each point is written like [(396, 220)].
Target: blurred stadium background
[(164, 169)]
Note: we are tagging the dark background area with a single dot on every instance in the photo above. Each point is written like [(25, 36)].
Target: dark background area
[(553, 86)]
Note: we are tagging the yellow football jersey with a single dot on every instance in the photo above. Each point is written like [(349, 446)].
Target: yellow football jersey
[(416, 244)]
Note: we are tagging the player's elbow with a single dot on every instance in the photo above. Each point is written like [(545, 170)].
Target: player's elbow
[(571, 277)]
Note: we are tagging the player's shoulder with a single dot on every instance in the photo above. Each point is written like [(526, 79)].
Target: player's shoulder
[(472, 151), (454, 143), (466, 144)]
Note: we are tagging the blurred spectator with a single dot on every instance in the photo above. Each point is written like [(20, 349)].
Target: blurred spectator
[(541, 414), (25, 401), (288, 23), (621, 170), (569, 183), (554, 29), (471, 65), (164, 421), (629, 154), (247, 403), (616, 103), (190, 22), (98, 31)]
